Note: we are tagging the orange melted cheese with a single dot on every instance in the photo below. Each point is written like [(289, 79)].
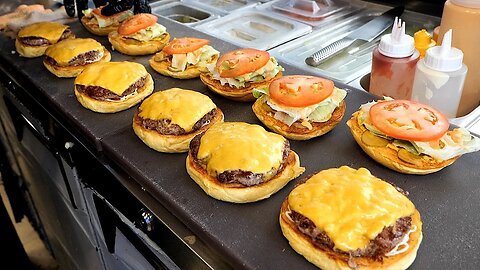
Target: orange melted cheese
[(240, 146), (67, 49), (351, 206), (182, 107), (114, 76), (50, 31)]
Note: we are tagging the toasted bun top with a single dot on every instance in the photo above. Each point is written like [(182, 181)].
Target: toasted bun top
[(351, 206), (50, 31), (67, 49), (114, 76), (182, 107), (240, 146)]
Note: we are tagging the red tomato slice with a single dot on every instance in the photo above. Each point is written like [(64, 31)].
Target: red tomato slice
[(242, 61), (184, 45), (136, 23), (408, 120), (300, 90)]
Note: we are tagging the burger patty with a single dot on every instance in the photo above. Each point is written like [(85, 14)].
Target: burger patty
[(79, 60), (38, 41), (166, 127), (100, 93), (245, 178), (384, 242)]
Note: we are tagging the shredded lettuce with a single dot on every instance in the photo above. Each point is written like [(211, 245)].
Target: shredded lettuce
[(149, 33)]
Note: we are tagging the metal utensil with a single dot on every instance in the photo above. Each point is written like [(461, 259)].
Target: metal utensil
[(365, 33)]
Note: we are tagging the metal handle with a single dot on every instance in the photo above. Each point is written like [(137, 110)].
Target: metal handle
[(327, 52)]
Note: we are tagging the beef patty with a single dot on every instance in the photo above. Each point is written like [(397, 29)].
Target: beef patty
[(39, 41), (100, 93), (79, 60)]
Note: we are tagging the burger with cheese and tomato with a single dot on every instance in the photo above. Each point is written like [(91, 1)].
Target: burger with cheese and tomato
[(300, 107), (239, 162), (184, 58), (163, 123), (113, 86), (34, 39), (101, 25), (409, 137), (69, 57), (236, 73), (139, 35), (343, 218)]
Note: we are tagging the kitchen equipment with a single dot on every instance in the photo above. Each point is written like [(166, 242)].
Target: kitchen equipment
[(362, 35), (307, 9)]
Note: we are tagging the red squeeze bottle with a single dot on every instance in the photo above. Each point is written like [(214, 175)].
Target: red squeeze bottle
[(393, 64)]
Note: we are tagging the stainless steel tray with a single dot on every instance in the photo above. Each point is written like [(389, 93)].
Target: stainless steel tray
[(222, 7), (182, 13)]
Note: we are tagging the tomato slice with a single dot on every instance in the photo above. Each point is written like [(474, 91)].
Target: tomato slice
[(408, 120), (136, 23), (184, 45), (242, 61), (300, 90)]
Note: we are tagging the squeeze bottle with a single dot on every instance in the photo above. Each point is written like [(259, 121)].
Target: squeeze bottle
[(393, 64), (463, 17), (439, 78)]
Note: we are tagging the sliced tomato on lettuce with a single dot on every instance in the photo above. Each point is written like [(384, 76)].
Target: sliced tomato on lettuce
[(136, 23), (242, 61), (408, 120), (300, 90), (184, 45)]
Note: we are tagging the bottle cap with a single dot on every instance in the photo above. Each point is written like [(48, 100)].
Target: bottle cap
[(397, 44), (423, 41), (467, 3), (444, 58)]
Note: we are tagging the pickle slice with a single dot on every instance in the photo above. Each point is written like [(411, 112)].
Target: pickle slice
[(371, 140), (409, 157)]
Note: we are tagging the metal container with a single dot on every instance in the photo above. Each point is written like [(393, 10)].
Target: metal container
[(222, 7), (182, 13)]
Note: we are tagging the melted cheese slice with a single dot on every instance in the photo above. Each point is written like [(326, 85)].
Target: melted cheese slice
[(182, 107), (351, 206), (114, 76), (50, 31), (67, 49), (240, 146)]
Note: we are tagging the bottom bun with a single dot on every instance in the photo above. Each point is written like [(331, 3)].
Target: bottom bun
[(296, 131), (192, 71), (73, 71), (238, 94), (171, 143), (111, 106), (388, 156), (30, 51), (130, 46), (328, 259), (242, 194), (95, 29)]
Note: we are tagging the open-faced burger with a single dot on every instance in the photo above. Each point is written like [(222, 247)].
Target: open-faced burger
[(101, 25)]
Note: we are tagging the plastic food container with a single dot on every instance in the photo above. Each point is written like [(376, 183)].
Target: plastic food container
[(251, 28), (307, 9)]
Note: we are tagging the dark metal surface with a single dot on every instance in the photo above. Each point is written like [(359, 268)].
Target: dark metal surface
[(248, 236)]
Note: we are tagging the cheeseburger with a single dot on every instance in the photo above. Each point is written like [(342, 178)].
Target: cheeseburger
[(69, 57), (236, 73), (168, 120), (409, 137), (300, 107), (344, 218), (113, 86), (101, 25), (139, 35), (34, 39), (239, 162), (184, 58)]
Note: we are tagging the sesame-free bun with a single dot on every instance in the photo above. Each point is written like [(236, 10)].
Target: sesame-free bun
[(111, 106), (73, 71), (192, 71), (171, 143), (296, 131), (28, 51), (130, 46), (41, 28), (95, 29), (388, 156), (329, 259), (242, 194), (238, 94)]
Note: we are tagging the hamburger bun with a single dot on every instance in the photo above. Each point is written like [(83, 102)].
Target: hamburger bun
[(92, 77), (330, 258), (170, 104), (134, 47), (90, 21), (231, 138), (93, 27)]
